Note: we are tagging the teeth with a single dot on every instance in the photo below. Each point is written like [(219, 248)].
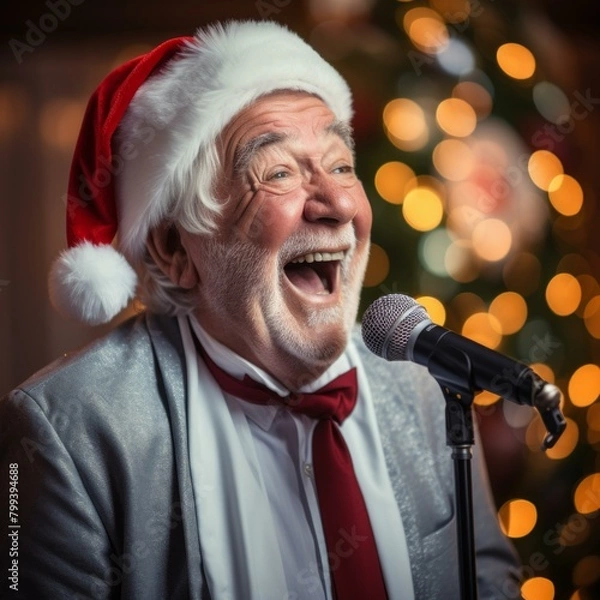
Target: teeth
[(319, 257)]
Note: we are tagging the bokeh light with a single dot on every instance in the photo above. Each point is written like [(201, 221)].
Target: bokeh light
[(563, 294), (423, 208), (476, 95), (510, 309), (566, 195), (378, 266), (426, 29), (566, 443), (14, 106), (485, 398), (587, 571), (484, 329), (434, 307), (587, 494), (456, 117), (405, 124), (492, 239), (516, 61), (591, 317), (592, 417), (584, 385), (517, 517), (392, 179), (543, 167), (537, 588), (459, 261), (60, 122), (432, 251), (544, 371), (551, 101), (453, 159), (456, 58)]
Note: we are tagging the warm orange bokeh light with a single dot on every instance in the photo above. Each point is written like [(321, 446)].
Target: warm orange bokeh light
[(516, 61), (405, 124), (563, 294), (435, 309), (566, 443), (392, 180), (453, 159), (517, 518), (587, 494), (456, 117), (426, 29), (492, 239), (584, 385), (484, 329), (378, 266), (423, 209), (591, 317), (543, 167), (510, 309), (566, 195), (537, 588)]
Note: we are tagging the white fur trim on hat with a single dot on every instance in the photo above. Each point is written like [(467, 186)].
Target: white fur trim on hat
[(91, 283), (185, 107)]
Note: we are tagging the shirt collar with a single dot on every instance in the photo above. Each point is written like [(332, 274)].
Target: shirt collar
[(234, 364)]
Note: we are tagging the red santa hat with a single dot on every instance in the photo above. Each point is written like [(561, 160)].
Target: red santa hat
[(165, 107)]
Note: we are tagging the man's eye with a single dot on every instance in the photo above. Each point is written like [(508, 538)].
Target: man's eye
[(344, 169), (278, 175)]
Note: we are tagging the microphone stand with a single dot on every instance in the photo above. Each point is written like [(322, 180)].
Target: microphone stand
[(455, 379)]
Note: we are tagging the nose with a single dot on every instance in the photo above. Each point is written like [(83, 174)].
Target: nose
[(328, 201)]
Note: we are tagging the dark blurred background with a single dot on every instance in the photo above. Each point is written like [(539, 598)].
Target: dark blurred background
[(477, 125)]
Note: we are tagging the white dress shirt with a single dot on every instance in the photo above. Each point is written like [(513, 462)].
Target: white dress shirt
[(260, 527)]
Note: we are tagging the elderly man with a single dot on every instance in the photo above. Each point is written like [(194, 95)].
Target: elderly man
[(236, 439)]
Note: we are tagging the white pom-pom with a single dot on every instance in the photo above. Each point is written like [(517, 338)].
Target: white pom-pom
[(91, 283)]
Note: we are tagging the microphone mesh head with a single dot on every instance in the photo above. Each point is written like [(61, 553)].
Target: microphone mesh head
[(388, 323)]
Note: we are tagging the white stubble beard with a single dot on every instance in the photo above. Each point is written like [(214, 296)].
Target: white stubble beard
[(253, 290)]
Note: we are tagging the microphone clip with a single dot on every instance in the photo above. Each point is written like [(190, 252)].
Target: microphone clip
[(546, 400)]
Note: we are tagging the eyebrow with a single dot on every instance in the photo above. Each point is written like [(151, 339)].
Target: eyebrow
[(245, 154)]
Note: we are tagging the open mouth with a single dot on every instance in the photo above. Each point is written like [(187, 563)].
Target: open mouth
[(315, 273)]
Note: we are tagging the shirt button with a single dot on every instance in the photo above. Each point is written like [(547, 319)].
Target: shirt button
[(308, 470)]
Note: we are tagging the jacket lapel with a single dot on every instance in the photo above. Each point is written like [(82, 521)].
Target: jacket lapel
[(169, 356), (411, 469)]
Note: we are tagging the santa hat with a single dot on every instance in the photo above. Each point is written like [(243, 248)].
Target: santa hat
[(165, 107)]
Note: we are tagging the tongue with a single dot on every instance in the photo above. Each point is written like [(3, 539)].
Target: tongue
[(305, 278)]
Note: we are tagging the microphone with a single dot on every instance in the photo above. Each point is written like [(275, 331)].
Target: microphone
[(396, 327)]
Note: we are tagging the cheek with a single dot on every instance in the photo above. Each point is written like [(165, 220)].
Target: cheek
[(271, 220)]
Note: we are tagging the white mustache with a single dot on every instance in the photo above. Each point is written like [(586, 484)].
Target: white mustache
[(305, 243)]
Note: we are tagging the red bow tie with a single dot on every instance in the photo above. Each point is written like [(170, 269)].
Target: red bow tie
[(353, 559)]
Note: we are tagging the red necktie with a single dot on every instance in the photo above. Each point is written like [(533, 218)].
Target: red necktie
[(353, 559)]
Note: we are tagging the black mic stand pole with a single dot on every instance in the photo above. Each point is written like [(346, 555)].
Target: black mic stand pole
[(454, 375), (455, 383)]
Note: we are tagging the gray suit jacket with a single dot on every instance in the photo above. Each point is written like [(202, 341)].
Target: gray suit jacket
[(105, 502)]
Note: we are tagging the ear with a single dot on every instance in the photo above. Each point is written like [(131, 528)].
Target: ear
[(171, 257)]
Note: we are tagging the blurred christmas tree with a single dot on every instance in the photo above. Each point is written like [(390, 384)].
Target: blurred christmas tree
[(465, 147)]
